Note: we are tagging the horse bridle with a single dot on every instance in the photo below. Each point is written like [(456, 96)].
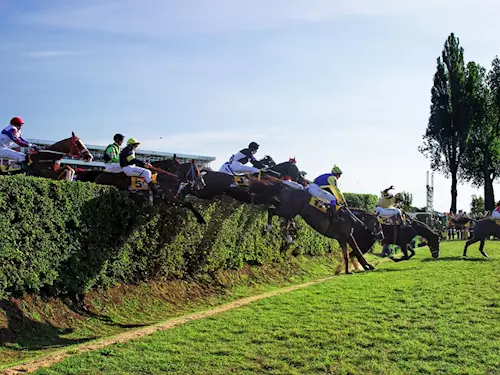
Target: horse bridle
[(77, 145)]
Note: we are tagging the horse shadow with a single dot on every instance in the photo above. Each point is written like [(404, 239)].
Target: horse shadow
[(24, 333), (455, 258)]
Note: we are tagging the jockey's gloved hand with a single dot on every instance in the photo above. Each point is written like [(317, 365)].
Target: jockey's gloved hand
[(35, 147)]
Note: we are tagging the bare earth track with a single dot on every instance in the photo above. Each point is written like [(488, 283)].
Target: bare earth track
[(59, 355)]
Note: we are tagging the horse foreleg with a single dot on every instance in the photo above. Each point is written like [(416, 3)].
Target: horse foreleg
[(481, 249), (358, 254), (410, 249), (467, 244), (343, 246), (176, 201), (270, 214)]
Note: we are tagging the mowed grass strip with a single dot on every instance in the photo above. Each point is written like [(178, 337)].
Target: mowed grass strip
[(416, 317)]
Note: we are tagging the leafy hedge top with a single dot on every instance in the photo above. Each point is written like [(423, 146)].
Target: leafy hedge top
[(68, 237)]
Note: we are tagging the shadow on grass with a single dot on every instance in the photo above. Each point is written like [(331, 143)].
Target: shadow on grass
[(456, 258), (23, 333)]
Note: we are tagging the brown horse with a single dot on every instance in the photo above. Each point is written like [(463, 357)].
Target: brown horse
[(43, 163), (168, 186)]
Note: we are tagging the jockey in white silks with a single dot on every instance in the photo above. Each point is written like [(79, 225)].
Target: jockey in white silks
[(386, 206), (495, 214), (236, 163), (328, 181), (10, 136)]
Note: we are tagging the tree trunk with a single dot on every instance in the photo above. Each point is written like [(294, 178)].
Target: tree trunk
[(489, 194), (454, 192)]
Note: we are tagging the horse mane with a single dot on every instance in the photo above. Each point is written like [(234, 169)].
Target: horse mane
[(424, 225)]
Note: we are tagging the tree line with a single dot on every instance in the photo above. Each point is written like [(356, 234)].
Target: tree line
[(462, 136)]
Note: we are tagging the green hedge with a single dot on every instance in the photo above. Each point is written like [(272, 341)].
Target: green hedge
[(61, 237), (364, 201)]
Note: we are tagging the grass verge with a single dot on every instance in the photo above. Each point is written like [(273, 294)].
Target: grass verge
[(419, 317)]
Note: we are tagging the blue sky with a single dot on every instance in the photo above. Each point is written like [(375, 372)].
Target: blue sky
[(327, 81)]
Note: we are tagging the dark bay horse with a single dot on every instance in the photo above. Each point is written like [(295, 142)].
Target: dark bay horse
[(216, 183), (168, 183), (43, 162), (360, 233), (483, 230), (286, 170), (405, 234)]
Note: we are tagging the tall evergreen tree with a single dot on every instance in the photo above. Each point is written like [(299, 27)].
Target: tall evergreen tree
[(483, 144), (446, 136)]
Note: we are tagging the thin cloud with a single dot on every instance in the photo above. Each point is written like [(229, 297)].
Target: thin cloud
[(48, 54), (163, 17)]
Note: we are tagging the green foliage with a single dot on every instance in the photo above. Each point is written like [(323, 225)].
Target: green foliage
[(483, 145), (71, 237), (366, 202), (476, 205), (407, 200), (453, 93)]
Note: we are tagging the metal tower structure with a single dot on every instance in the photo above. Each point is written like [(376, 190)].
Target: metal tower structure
[(430, 192)]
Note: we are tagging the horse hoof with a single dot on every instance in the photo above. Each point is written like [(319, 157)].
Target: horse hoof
[(348, 273), (485, 255), (288, 238), (268, 228)]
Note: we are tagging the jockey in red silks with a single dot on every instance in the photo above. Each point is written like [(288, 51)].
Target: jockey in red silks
[(11, 136)]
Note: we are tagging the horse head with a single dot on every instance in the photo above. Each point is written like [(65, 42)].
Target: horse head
[(190, 173), (72, 146)]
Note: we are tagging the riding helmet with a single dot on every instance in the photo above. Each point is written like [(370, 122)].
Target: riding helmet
[(336, 170), (17, 121), (253, 146), (133, 141)]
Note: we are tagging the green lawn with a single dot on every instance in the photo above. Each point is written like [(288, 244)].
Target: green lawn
[(416, 317)]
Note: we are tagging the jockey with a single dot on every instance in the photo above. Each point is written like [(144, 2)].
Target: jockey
[(386, 206), (128, 163), (112, 155), (237, 161), (495, 214), (328, 181), (12, 135)]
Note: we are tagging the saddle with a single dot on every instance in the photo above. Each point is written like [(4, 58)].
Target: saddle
[(241, 180), (7, 167), (140, 184), (392, 220)]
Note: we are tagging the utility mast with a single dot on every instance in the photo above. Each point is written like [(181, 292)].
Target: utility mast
[(430, 193)]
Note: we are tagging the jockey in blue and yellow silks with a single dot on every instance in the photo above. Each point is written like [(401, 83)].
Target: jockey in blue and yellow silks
[(325, 188)]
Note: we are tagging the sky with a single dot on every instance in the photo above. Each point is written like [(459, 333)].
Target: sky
[(325, 81)]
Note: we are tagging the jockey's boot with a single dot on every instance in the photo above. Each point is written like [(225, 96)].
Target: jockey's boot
[(24, 166)]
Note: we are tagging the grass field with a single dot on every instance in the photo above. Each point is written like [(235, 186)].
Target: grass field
[(416, 317)]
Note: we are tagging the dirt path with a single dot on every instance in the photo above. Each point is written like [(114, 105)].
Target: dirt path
[(59, 355)]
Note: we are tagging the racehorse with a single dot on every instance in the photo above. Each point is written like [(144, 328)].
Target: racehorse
[(286, 170), (216, 183), (42, 163), (405, 234), (168, 182), (483, 230), (347, 230)]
